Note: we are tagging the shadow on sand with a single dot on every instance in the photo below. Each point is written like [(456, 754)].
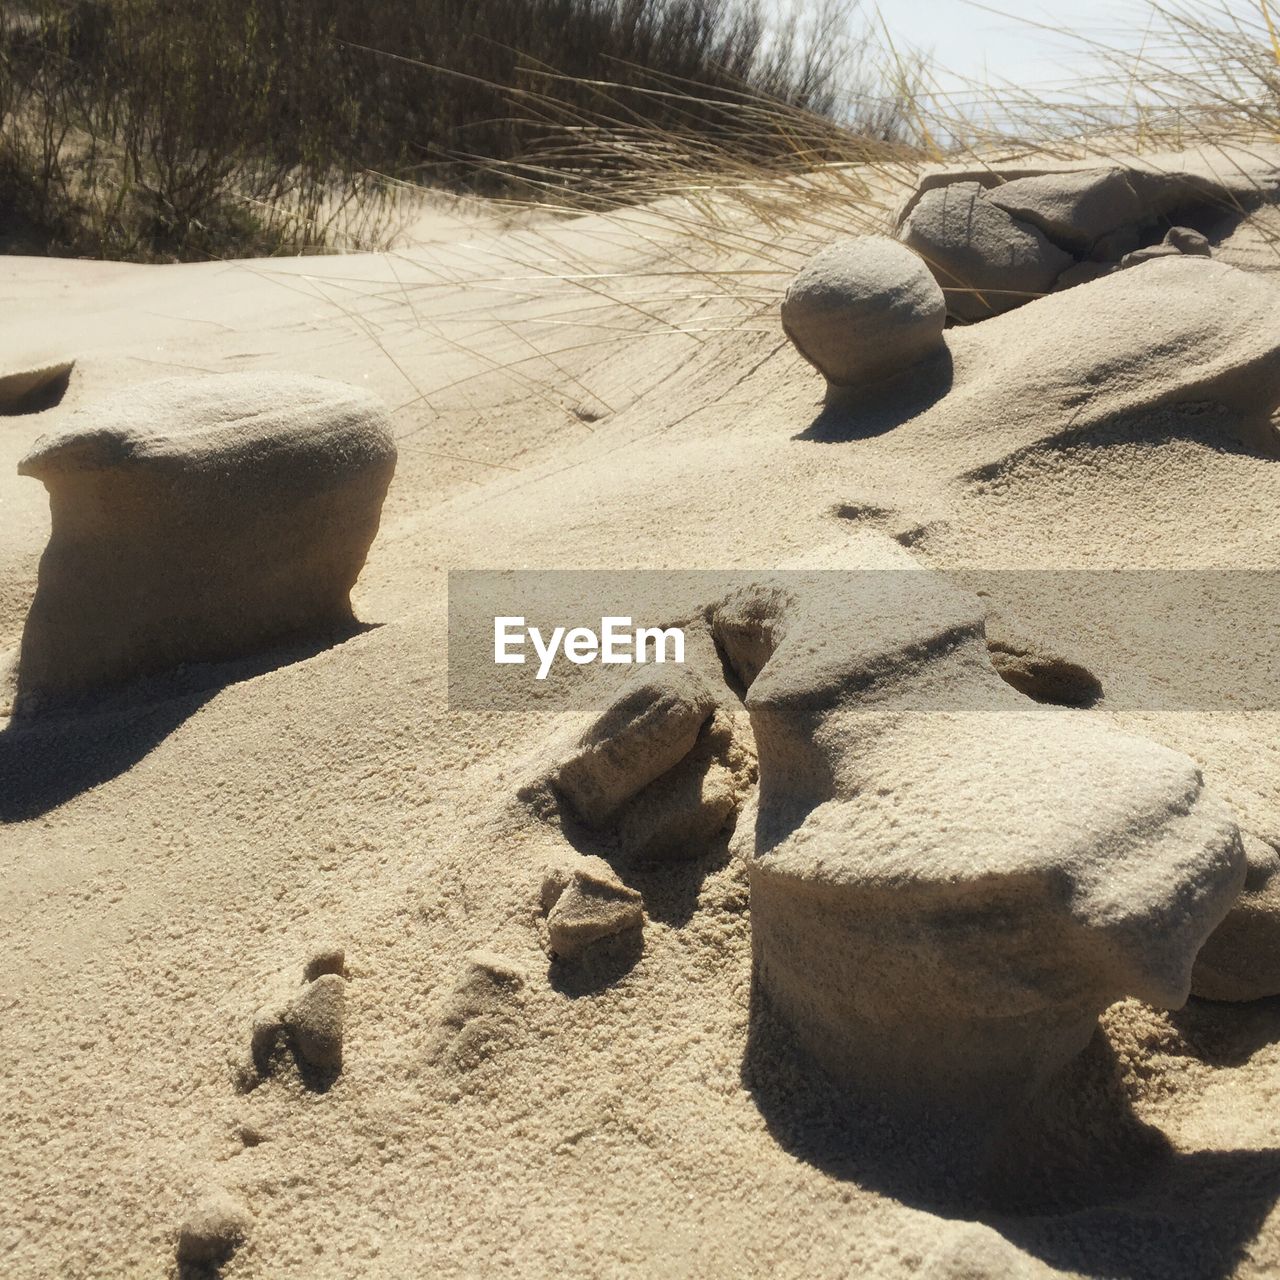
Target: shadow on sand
[(603, 964), (670, 891), (670, 887), (1080, 1181), (859, 413), (48, 759)]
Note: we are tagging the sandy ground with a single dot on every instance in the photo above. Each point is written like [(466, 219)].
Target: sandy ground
[(582, 395)]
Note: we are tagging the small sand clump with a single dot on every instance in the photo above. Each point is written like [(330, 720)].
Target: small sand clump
[(481, 1015), (658, 776), (585, 902), (316, 1020), (310, 1022), (643, 734), (214, 1229)]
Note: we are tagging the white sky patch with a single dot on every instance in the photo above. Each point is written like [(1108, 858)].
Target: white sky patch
[(1044, 52), (969, 43), (1013, 49)]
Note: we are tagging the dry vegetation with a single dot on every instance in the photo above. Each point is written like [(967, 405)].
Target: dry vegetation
[(774, 181), (156, 130), (143, 129), (733, 209)]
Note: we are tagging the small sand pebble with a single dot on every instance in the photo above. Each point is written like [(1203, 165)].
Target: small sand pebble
[(214, 1229), (586, 903), (480, 1017), (315, 1020)]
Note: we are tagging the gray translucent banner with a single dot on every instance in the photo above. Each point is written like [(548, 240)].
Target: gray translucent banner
[(1184, 640)]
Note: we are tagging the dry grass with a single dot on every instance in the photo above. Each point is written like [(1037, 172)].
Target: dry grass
[(1202, 76), (154, 130), (719, 219), (722, 191)]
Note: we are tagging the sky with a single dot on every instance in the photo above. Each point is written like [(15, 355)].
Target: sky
[(974, 43), (1022, 43)]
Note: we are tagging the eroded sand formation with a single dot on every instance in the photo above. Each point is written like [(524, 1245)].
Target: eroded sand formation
[(996, 238), (199, 519), (863, 309), (950, 883)]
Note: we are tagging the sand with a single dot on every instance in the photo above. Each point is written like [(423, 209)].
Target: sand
[(573, 395)]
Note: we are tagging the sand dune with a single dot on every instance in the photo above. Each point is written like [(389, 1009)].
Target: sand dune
[(454, 1095)]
